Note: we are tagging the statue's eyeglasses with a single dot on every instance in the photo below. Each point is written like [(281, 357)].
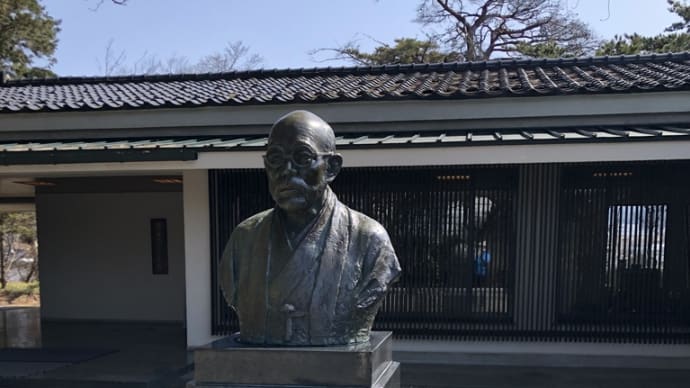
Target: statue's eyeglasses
[(276, 157)]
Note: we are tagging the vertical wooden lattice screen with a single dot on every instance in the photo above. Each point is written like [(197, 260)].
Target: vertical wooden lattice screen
[(452, 229), (594, 252), (623, 268)]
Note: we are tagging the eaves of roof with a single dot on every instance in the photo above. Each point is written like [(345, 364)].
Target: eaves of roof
[(469, 80), (128, 150)]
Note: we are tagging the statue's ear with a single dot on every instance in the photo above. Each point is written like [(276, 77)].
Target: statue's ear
[(335, 163)]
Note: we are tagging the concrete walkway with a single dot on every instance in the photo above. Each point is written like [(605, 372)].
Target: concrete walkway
[(133, 355), (154, 356), (547, 364), (462, 376)]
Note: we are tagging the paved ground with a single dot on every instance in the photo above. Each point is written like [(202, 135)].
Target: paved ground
[(432, 376), (438, 376), (134, 355), (154, 356)]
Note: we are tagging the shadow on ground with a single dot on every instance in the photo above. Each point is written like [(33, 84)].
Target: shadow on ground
[(99, 355)]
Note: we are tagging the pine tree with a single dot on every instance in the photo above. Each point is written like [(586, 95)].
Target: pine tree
[(27, 34)]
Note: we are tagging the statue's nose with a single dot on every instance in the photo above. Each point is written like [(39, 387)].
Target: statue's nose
[(288, 168)]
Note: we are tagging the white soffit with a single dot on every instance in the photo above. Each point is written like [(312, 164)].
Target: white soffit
[(425, 156)]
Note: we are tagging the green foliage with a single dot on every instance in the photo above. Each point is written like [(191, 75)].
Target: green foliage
[(675, 41), (681, 9), (27, 34), (14, 290), (636, 44), (405, 50), (23, 288), (20, 224), (38, 72), (544, 50), (16, 228)]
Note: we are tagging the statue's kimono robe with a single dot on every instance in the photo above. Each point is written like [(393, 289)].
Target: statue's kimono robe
[(325, 290)]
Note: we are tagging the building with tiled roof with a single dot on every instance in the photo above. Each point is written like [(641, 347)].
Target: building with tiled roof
[(568, 173), (575, 76)]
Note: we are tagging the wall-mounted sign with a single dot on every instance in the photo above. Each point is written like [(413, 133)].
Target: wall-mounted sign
[(159, 246)]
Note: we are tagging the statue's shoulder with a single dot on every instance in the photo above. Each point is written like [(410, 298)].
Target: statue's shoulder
[(366, 226), (371, 239), (254, 222)]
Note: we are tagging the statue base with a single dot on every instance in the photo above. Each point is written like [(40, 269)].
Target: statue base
[(228, 364)]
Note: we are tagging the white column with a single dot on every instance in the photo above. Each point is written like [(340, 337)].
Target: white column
[(197, 238)]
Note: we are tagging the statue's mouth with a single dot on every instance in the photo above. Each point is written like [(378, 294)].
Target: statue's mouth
[(288, 191)]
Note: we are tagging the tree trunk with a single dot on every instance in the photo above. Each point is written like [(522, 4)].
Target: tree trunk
[(471, 47), (34, 264)]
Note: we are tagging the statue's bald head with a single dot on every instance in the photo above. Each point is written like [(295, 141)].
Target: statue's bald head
[(300, 161), (304, 124)]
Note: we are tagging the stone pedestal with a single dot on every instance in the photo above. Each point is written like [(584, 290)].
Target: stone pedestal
[(227, 363)]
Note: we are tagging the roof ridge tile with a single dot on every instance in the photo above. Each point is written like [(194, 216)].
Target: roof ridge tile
[(379, 69)]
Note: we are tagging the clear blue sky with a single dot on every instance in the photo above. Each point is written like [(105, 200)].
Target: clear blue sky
[(282, 31)]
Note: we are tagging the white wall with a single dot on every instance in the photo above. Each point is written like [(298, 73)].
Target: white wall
[(197, 236), (95, 257)]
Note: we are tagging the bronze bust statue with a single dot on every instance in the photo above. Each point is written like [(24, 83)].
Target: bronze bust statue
[(310, 271)]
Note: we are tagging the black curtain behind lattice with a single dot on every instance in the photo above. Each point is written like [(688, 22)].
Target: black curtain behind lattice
[(451, 227)]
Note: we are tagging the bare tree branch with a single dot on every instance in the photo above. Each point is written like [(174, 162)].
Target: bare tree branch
[(113, 62), (476, 28), (235, 56), (100, 3), (349, 51)]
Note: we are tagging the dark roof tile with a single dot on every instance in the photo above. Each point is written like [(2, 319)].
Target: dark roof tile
[(501, 78)]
